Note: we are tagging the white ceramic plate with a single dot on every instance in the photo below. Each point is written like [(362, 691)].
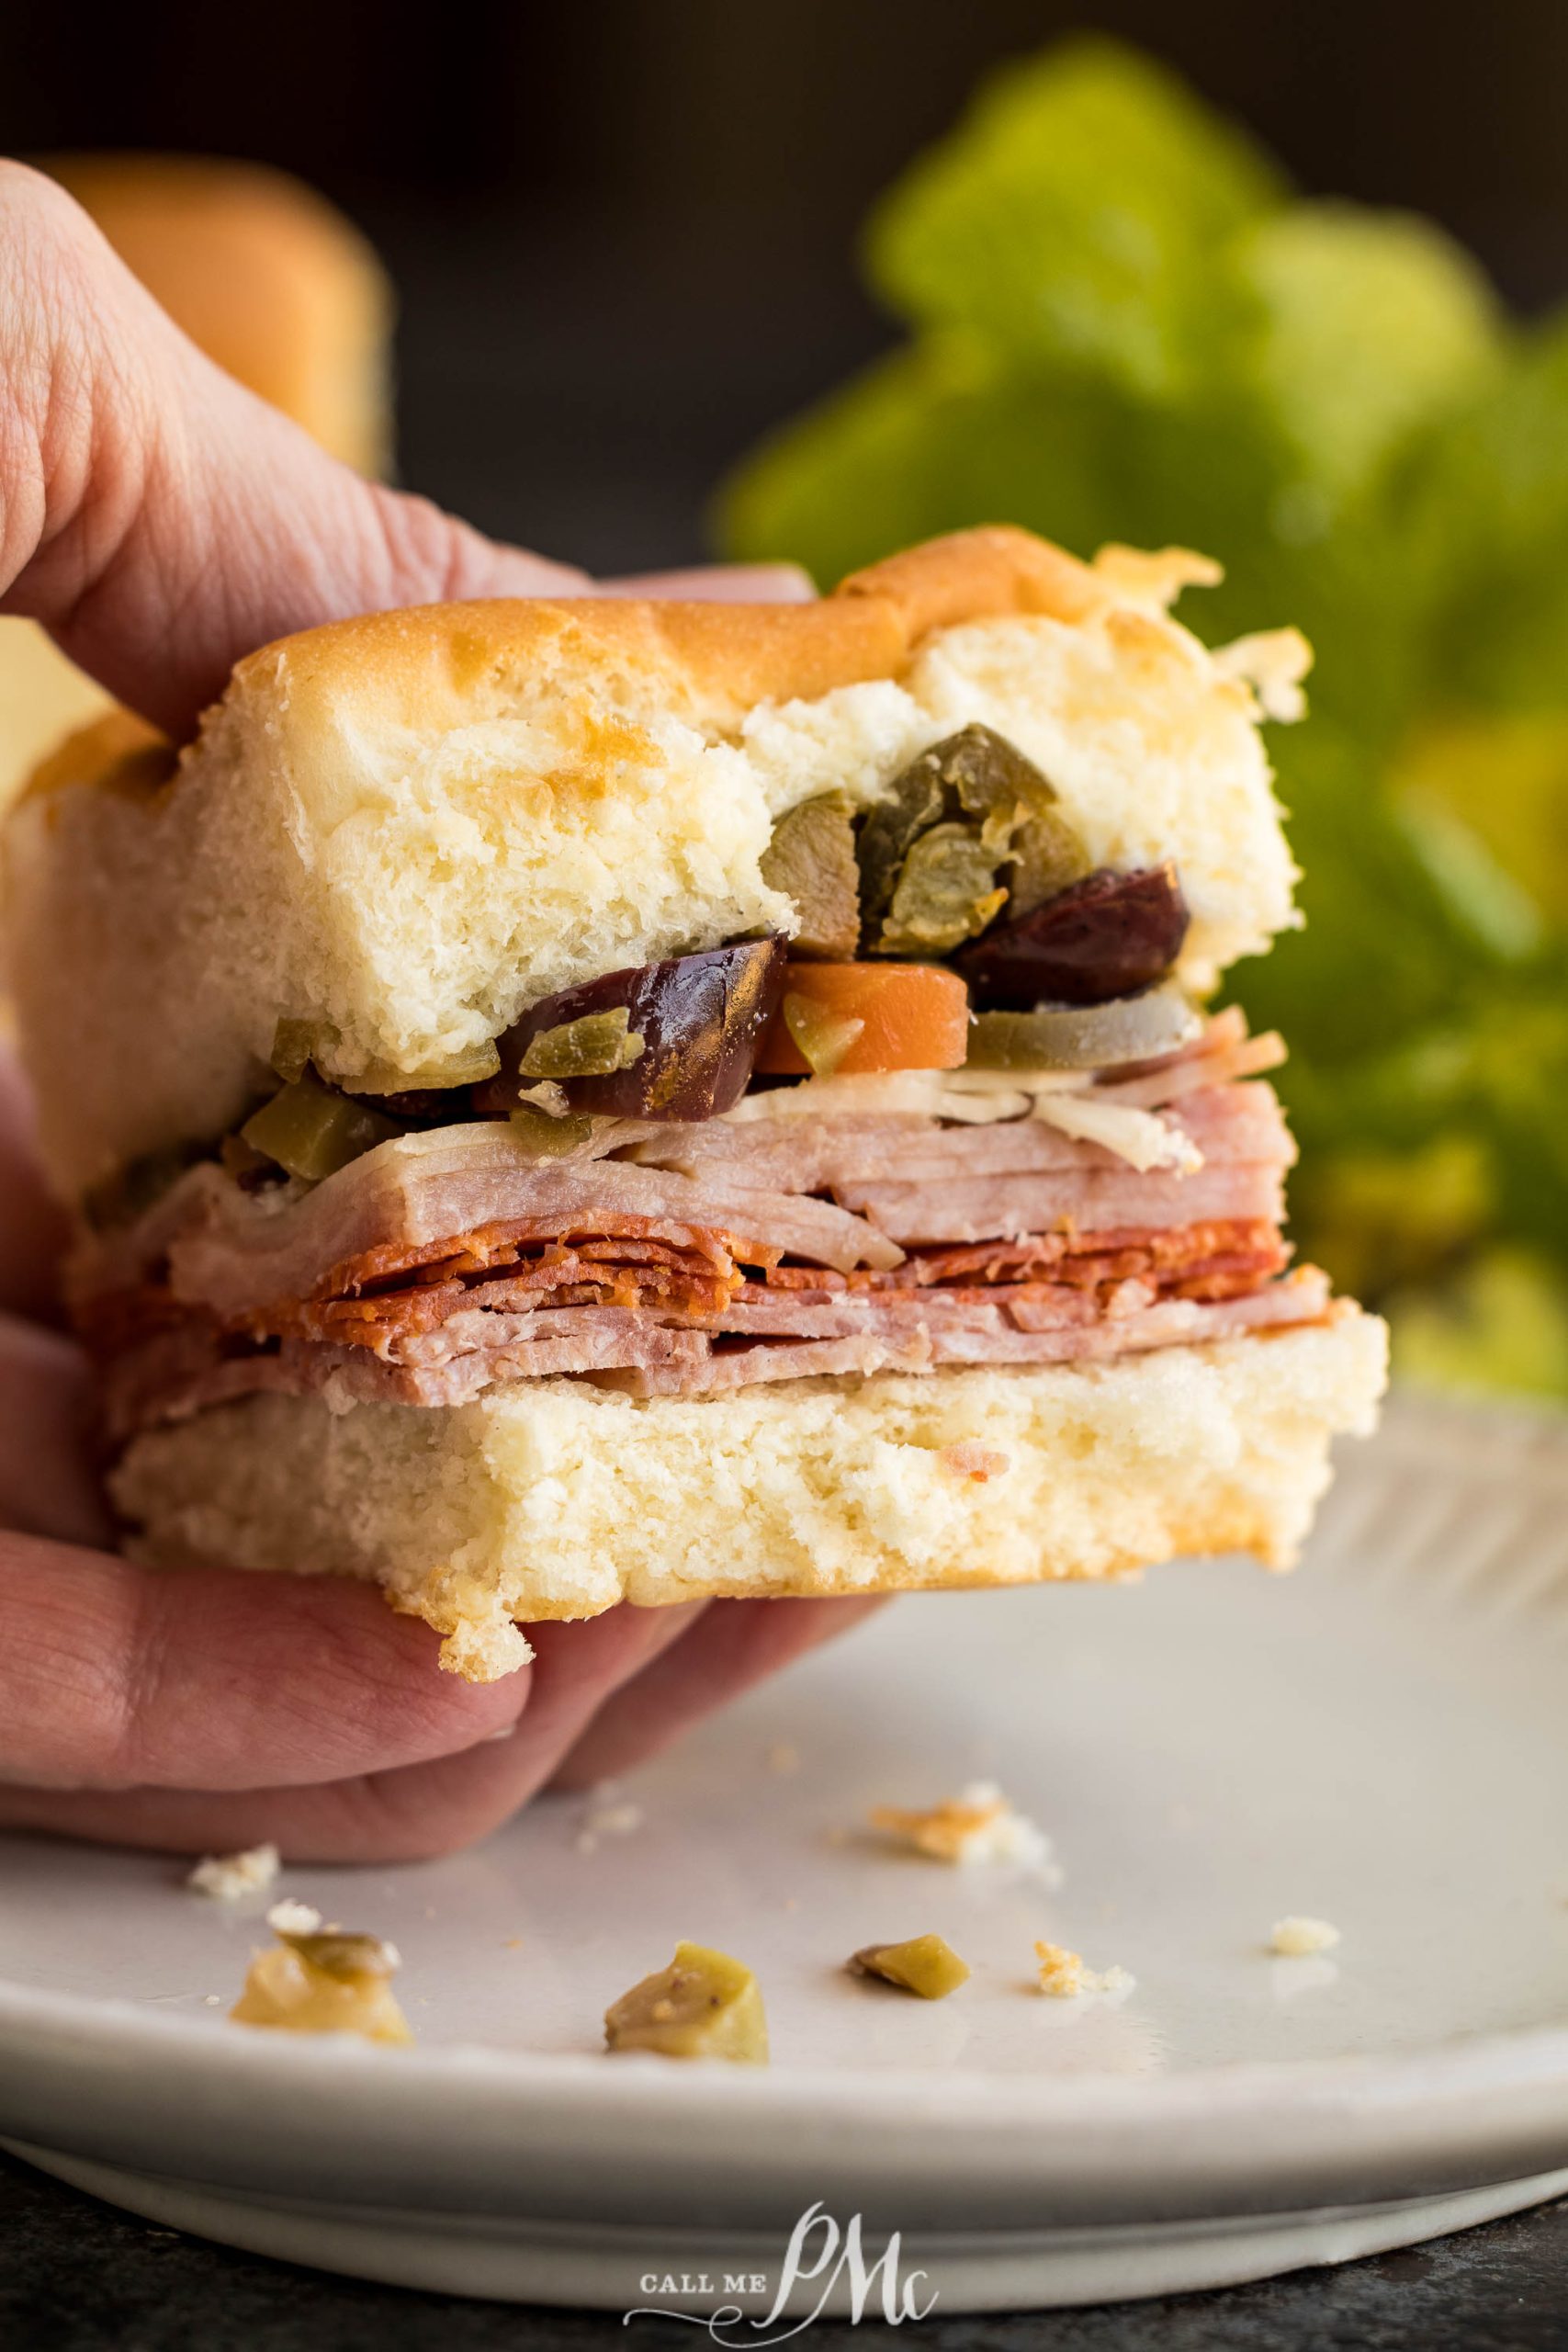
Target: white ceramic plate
[(1381, 1740)]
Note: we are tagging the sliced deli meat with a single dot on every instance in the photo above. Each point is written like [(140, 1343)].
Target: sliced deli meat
[(690, 1257), (783, 1339)]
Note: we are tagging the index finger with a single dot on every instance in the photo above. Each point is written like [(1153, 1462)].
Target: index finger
[(114, 1675)]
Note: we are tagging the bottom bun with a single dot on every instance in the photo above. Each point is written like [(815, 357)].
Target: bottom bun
[(553, 1498)]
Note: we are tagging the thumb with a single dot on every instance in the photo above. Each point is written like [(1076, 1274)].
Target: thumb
[(158, 518)]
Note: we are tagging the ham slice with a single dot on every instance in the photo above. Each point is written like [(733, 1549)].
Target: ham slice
[(237, 1253), (790, 1337), (1006, 1208), (1227, 1124)]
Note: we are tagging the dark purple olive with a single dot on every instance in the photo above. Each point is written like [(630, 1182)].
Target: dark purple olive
[(1104, 937), (700, 1018)]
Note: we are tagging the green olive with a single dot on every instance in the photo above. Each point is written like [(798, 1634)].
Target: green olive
[(296, 1043), (704, 2005), (348, 1958), (312, 1131), (946, 892), (1047, 858), (548, 1137), (925, 1964), (811, 859), (469, 1067), (594, 1045), (917, 800)]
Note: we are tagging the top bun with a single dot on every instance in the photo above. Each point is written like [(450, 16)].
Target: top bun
[(403, 829)]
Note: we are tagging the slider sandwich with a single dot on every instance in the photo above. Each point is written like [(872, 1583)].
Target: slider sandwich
[(568, 1103)]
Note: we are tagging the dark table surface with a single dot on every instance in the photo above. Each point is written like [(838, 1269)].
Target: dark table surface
[(76, 2275)]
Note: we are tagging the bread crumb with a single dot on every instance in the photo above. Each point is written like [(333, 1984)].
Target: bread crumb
[(608, 1819), (977, 1826), (968, 1460), (1298, 1938), (784, 1757), (212, 2000), (511, 1943), (1063, 1977), (226, 1877), (292, 1918)]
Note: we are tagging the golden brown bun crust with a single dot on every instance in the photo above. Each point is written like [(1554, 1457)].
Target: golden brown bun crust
[(709, 661)]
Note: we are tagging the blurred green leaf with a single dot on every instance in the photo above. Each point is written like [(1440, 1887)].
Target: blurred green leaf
[(1072, 219), (1501, 1323), (1369, 326), (935, 438), (1502, 493), (1126, 328), (1506, 775)]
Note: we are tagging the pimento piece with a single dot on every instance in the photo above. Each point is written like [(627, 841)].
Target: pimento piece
[(912, 1016)]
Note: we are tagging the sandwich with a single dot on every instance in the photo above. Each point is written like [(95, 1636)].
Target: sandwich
[(573, 1102)]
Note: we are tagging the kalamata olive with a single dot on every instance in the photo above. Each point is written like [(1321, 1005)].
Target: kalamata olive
[(1101, 938), (701, 1019)]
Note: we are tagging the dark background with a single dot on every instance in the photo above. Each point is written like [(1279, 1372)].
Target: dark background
[(623, 231)]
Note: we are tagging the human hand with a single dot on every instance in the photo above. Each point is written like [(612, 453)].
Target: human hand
[(161, 521)]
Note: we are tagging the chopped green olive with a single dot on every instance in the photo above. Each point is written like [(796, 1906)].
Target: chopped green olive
[(546, 1136), (1047, 857), (946, 892), (594, 1045), (979, 774), (704, 2005), (811, 859), (918, 799), (822, 1037), (925, 1964), (990, 775), (312, 1131), (471, 1066), (1082, 1037), (295, 1044), (324, 1983), (348, 1958)]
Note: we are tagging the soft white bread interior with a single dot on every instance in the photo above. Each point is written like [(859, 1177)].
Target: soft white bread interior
[(403, 829), (554, 1498)]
